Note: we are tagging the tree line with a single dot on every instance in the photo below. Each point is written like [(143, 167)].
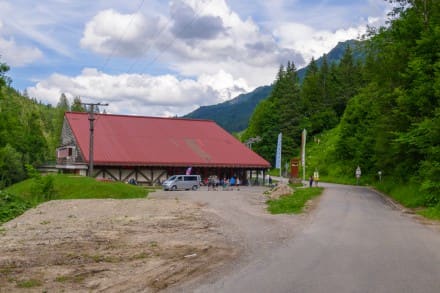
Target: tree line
[(316, 104)]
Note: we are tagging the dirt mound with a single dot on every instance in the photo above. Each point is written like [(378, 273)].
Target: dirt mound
[(280, 190)]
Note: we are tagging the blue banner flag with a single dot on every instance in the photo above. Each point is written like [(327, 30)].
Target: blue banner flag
[(278, 157)]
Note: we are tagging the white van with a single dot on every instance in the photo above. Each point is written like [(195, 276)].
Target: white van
[(182, 182)]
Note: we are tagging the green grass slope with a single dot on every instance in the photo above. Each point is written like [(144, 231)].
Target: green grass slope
[(19, 197)]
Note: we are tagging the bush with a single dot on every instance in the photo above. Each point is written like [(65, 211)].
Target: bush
[(11, 167), (11, 206), (42, 187)]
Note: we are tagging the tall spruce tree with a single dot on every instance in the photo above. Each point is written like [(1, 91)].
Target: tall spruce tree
[(280, 112), (77, 105)]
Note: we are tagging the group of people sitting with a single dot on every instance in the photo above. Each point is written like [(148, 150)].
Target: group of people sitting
[(214, 183)]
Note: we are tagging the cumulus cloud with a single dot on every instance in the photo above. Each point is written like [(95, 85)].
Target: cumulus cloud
[(311, 42), (224, 85), (111, 32), (16, 55), (188, 25), (141, 94)]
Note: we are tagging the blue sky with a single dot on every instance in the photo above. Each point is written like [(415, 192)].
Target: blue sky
[(166, 58)]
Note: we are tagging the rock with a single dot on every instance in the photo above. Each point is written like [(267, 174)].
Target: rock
[(280, 190)]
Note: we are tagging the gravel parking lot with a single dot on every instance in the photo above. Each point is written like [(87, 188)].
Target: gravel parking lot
[(164, 242)]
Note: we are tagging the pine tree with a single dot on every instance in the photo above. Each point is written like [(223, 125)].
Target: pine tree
[(63, 103), (77, 105)]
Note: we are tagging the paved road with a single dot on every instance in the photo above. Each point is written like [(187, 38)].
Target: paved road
[(354, 243)]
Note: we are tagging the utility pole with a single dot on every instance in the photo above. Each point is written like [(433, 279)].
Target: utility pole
[(252, 140), (91, 120)]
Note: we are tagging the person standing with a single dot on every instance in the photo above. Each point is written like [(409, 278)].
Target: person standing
[(316, 177), (311, 181), (232, 182)]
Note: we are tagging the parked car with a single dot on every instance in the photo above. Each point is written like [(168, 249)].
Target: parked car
[(182, 182)]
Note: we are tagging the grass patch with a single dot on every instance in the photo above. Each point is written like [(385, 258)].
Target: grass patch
[(274, 172), (29, 283), (406, 194), (431, 213), (71, 279), (141, 255), (19, 197), (410, 196), (293, 204), (62, 279)]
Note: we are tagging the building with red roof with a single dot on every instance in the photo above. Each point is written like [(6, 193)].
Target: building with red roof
[(149, 149)]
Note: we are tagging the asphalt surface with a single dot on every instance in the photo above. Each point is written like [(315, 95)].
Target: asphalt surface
[(355, 242)]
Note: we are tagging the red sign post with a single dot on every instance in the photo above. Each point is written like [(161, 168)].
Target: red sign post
[(294, 167)]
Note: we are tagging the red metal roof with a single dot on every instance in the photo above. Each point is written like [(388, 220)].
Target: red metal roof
[(134, 140)]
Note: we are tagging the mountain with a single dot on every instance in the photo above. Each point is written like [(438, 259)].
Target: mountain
[(336, 54), (234, 115)]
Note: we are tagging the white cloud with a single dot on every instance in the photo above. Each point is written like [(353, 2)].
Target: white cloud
[(140, 94), (224, 85), (32, 27), (15, 55), (311, 42), (111, 32)]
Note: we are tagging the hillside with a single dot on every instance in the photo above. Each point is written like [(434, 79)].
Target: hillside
[(233, 115)]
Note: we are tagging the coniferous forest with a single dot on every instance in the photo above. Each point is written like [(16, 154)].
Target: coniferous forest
[(381, 110)]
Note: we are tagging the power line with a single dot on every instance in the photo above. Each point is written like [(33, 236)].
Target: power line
[(117, 45), (185, 27), (151, 44)]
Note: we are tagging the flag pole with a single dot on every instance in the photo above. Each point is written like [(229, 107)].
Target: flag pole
[(278, 155), (303, 152)]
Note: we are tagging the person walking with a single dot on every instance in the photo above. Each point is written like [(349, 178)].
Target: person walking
[(311, 181)]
